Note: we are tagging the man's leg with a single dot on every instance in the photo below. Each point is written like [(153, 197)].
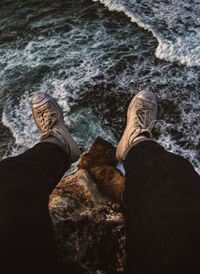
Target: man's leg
[(26, 234), (162, 214), (162, 197), (27, 241)]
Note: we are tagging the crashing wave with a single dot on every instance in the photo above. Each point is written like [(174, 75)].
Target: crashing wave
[(182, 45)]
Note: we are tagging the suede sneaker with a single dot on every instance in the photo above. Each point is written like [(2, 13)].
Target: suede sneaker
[(141, 118), (49, 119)]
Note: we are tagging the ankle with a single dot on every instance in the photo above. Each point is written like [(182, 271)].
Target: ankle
[(53, 140), (136, 141), (140, 138)]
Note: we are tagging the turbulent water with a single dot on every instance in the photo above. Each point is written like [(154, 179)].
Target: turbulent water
[(93, 56)]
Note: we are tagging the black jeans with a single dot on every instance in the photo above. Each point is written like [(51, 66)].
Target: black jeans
[(162, 214), (26, 237)]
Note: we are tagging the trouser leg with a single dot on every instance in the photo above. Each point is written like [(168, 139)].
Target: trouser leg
[(162, 213), (26, 234)]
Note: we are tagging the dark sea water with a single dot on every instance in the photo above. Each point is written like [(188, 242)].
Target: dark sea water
[(93, 56)]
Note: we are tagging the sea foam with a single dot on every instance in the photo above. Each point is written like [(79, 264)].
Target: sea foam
[(183, 47)]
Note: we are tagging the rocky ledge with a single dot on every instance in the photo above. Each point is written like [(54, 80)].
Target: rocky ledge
[(86, 213)]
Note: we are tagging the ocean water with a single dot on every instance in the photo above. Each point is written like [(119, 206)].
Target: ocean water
[(93, 56)]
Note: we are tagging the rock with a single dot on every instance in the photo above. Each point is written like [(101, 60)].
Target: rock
[(101, 162), (100, 153), (80, 186), (87, 220)]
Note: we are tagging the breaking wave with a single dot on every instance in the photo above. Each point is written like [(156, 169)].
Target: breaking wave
[(175, 24)]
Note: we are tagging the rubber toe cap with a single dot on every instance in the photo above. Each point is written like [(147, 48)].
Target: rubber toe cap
[(148, 96), (39, 99)]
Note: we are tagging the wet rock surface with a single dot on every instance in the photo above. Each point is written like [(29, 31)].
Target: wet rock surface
[(86, 213)]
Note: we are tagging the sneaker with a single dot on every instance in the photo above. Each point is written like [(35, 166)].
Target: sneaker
[(49, 119), (141, 117)]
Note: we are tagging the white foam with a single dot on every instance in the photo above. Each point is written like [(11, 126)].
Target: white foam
[(184, 49), (20, 121), (172, 145), (180, 50)]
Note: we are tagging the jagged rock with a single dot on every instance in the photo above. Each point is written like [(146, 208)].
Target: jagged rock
[(73, 193), (101, 162), (100, 153), (89, 226)]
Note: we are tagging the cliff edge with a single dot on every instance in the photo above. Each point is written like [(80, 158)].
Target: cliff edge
[(85, 208)]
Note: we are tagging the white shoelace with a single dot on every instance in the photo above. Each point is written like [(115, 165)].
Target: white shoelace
[(47, 119)]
